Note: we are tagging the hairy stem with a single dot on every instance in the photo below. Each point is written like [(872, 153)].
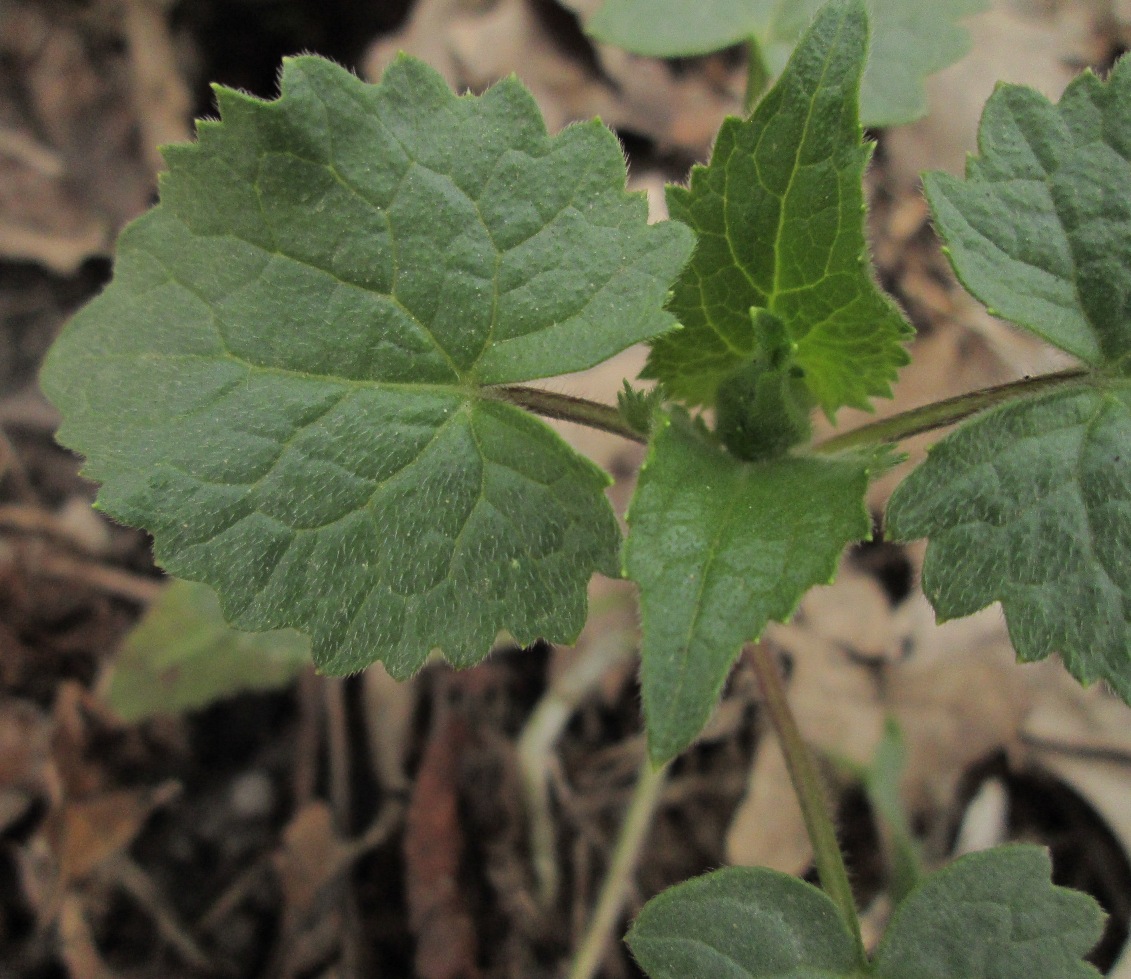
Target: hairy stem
[(566, 407), (939, 414), (610, 902), (810, 793)]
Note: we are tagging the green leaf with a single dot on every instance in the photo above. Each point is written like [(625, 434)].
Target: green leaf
[(182, 655), (743, 923), (288, 381), (637, 407), (1030, 504), (763, 408), (719, 547), (991, 915), (882, 784), (913, 39), (779, 217), (674, 29), (1040, 230)]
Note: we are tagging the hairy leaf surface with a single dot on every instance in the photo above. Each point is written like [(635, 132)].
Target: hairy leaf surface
[(989, 915), (183, 655), (911, 39), (288, 381), (779, 218), (1030, 505), (719, 547), (1040, 229), (992, 915), (743, 923)]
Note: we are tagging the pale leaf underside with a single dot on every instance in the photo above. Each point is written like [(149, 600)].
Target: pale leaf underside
[(183, 655), (911, 39)]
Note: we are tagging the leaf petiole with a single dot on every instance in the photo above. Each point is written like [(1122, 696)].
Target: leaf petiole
[(885, 431), (940, 414), (618, 879), (568, 408), (810, 794)]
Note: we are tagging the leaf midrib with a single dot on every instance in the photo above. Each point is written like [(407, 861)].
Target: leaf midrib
[(801, 143), (466, 390)]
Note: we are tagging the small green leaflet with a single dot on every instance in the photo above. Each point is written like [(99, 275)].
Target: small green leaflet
[(719, 547), (913, 39), (989, 915), (743, 923), (1030, 503), (637, 407), (882, 780), (1040, 230), (183, 655), (779, 218), (289, 380), (763, 409)]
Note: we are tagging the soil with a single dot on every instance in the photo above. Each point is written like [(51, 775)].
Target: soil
[(289, 833)]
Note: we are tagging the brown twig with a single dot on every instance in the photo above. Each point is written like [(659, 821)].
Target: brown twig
[(99, 577)]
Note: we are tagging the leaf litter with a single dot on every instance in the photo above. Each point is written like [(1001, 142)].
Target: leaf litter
[(62, 612)]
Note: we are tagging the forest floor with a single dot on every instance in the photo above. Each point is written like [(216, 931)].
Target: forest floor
[(339, 828)]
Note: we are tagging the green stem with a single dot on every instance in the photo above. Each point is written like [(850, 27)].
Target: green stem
[(810, 793), (540, 735), (610, 902), (939, 414), (757, 75), (566, 407)]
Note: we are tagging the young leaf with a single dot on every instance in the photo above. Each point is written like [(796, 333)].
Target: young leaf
[(288, 381), (183, 655), (912, 39), (1030, 504), (762, 409), (1040, 230), (779, 216), (991, 915), (743, 923), (637, 407), (719, 547)]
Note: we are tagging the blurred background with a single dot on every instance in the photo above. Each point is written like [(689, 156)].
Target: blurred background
[(177, 800)]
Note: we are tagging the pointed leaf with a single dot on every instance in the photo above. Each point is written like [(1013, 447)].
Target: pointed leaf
[(779, 217), (183, 655), (1040, 230), (285, 382), (743, 923), (719, 547), (912, 39), (991, 915), (1030, 505)]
